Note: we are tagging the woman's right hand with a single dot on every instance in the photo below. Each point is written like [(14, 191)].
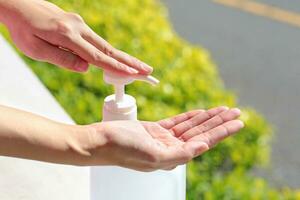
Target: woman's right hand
[(45, 32)]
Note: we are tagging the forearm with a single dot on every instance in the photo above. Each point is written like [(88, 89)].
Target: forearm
[(25, 135)]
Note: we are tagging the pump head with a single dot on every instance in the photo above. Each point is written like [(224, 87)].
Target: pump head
[(119, 82), (121, 106)]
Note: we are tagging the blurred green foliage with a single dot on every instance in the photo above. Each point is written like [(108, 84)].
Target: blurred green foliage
[(189, 80)]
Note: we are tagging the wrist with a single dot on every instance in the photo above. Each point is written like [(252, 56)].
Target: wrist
[(87, 142)]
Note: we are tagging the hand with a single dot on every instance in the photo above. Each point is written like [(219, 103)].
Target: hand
[(45, 32), (148, 146), (144, 146)]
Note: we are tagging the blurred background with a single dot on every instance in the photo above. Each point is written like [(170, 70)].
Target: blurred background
[(206, 53), (256, 46)]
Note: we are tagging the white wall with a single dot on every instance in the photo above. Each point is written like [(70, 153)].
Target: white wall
[(30, 180)]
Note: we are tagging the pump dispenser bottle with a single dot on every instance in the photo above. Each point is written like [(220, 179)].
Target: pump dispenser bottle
[(116, 183), (121, 106)]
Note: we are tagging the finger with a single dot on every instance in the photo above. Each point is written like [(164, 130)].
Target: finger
[(211, 123), (170, 122), (90, 36), (186, 125), (180, 155), (92, 55), (52, 54), (215, 135)]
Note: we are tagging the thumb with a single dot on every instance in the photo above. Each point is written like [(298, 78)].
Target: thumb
[(179, 156), (195, 148)]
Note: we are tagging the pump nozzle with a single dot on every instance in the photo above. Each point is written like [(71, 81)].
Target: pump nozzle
[(150, 79), (116, 79), (119, 82)]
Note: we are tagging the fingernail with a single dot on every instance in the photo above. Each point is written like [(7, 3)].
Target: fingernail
[(146, 68), (241, 124), (236, 111), (132, 71), (225, 107)]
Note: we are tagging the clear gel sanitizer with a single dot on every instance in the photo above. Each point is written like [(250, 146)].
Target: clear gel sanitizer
[(116, 183)]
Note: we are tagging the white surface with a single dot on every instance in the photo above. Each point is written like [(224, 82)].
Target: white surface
[(31, 180), (115, 183)]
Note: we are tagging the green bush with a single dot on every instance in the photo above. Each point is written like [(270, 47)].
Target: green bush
[(189, 80)]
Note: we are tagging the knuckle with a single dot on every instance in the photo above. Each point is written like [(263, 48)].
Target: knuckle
[(135, 62), (199, 129), (226, 131), (208, 115), (97, 57), (194, 121), (209, 141), (120, 66), (108, 50), (188, 124), (75, 17), (63, 28), (221, 119)]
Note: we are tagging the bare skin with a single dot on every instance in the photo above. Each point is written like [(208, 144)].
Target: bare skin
[(139, 145), (45, 32)]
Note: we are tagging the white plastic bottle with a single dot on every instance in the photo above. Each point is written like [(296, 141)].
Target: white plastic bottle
[(116, 183)]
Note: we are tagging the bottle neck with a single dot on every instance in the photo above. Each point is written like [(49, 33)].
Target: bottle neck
[(119, 92)]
